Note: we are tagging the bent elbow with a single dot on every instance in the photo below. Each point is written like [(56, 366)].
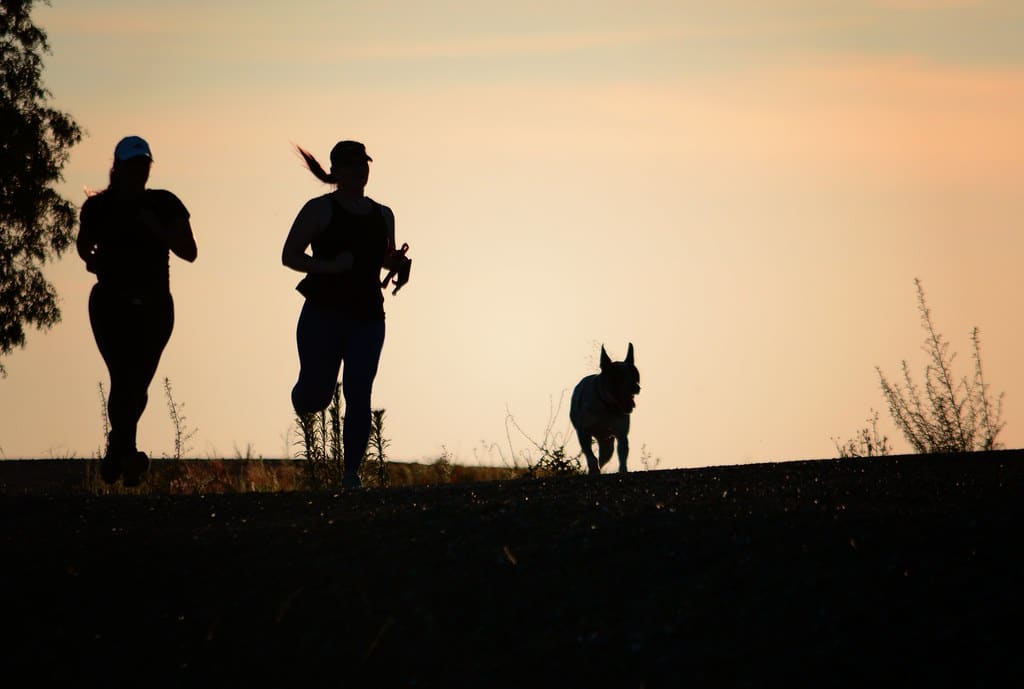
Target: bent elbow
[(188, 253), (290, 260)]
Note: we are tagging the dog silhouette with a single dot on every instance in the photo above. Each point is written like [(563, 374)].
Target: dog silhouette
[(600, 407)]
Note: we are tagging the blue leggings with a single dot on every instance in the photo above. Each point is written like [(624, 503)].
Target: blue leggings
[(325, 338)]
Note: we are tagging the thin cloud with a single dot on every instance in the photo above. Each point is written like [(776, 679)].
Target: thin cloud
[(221, 32), (550, 43), (83, 22)]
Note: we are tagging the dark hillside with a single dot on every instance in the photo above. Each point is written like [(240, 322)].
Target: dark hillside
[(870, 572)]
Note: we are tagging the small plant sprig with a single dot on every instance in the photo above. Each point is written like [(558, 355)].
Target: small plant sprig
[(320, 442), (182, 433), (334, 442), (443, 465), (554, 459), (105, 416), (377, 461), (866, 442), (247, 454), (647, 460)]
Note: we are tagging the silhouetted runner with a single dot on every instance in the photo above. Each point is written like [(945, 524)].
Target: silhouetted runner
[(342, 320), (125, 237)]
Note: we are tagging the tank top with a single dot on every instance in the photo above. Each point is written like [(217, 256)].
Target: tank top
[(355, 293)]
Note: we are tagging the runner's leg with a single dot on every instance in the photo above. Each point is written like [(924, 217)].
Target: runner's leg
[(363, 346), (318, 338)]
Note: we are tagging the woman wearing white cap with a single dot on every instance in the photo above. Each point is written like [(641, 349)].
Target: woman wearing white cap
[(125, 237), (352, 238)]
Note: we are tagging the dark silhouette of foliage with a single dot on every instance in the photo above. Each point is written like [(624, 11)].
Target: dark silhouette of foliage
[(553, 459), (36, 223), (182, 433), (952, 414), (375, 469), (867, 442), (320, 441)]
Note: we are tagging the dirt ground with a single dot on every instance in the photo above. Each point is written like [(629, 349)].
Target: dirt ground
[(860, 573)]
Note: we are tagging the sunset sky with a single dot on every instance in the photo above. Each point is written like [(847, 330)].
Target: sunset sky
[(745, 190)]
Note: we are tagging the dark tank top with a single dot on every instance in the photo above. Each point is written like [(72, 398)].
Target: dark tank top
[(357, 292)]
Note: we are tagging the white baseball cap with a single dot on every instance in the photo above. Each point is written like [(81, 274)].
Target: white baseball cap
[(132, 147)]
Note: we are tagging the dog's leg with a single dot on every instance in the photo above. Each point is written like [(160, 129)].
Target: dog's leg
[(588, 451), (622, 445), (605, 448)]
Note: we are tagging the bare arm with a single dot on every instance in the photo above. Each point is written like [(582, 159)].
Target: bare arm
[(181, 240), (391, 261), (176, 234), (87, 242), (310, 221)]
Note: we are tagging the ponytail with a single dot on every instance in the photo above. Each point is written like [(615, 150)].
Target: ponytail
[(315, 167), (116, 174)]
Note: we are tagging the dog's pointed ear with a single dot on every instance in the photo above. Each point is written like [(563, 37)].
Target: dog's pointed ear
[(605, 359), (629, 354)]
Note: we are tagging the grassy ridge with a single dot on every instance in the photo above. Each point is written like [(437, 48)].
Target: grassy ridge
[(205, 476)]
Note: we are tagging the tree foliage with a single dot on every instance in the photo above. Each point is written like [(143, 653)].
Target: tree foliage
[(951, 414), (36, 223)]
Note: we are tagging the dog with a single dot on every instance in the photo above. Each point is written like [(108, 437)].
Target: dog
[(600, 407)]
